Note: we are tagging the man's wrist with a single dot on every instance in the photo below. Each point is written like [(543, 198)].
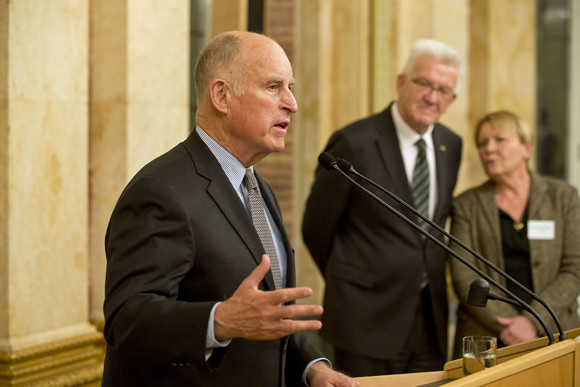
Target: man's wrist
[(311, 369)]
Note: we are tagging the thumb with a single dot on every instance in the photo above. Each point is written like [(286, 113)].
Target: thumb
[(257, 275), (504, 320)]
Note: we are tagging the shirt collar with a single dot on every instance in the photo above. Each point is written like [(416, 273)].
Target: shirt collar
[(232, 167), (406, 134)]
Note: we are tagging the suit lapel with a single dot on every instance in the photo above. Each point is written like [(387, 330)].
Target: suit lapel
[(490, 227), (224, 195), (392, 160)]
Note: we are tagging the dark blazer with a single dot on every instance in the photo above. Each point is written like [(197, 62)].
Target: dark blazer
[(178, 241), (371, 260), (555, 264)]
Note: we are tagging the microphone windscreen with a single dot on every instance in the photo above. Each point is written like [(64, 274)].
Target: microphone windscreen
[(344, 165), (326, 160), (478, 291)]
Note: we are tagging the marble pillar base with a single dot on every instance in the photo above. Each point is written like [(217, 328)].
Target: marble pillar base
[(74, 361)]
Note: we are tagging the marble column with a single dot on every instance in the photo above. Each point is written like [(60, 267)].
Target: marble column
[(502, 59), (45, 334), (139, 105), (331, 66), (228, 15)]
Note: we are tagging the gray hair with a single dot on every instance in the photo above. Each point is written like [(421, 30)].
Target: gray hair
[(437, 49), (218, 58)]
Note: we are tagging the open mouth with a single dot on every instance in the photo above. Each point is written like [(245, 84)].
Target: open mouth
[(282, 125)]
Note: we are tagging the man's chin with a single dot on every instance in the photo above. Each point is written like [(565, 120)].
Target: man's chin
[(278, 147)]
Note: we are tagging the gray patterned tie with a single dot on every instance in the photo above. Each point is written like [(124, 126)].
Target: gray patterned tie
[(261, 224), (420, 185)]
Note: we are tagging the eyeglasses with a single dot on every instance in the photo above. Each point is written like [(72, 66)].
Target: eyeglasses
[(426, 86)]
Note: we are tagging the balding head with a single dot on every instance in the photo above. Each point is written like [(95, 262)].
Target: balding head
[(225, 57)]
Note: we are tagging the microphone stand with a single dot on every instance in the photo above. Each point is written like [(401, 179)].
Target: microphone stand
[(328, 161), (347, 167)]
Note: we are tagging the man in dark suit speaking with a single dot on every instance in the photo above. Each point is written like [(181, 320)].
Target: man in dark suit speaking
[(385, 300), (200, 284)]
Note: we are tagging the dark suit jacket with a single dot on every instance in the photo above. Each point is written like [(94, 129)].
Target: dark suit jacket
[(179, 240), (555, 263), (372, 261)]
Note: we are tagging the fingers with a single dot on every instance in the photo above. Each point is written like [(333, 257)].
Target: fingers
[(282, 296), (298, 311), (504, 320)]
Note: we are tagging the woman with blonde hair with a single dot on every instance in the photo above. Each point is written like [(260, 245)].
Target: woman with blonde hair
[(524, 223)]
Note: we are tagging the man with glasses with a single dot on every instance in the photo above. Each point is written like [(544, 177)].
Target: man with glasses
[(385, 305)]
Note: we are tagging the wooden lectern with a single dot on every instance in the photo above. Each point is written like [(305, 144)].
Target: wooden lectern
[(534, 363)]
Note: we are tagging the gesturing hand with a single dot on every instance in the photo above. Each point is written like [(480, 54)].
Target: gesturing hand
[(517, 330), (261, 315)]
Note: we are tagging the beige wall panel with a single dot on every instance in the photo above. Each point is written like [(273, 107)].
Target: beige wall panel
[(157, 79), (153, 130), (139, 104), (307, 124), (45, 164), (108, 134), (332, 65), (502, 68), (415, 18), (158, 52), (228, 15), (384, 53), (348, 61), (4, 153), (512, 63)]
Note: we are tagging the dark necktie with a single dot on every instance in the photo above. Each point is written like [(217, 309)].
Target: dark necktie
[(261, 224), (420, 184), (420, 189)]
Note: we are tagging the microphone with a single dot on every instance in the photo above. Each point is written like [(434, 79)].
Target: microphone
[(330, 162), (480, 292), (347, 167)]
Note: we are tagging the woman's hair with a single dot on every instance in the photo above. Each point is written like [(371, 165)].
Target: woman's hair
[(504, 121)]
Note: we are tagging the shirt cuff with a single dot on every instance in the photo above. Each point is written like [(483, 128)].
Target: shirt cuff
[(210, 340), (304, 379)]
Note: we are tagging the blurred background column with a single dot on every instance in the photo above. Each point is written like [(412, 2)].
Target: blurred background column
[(45, 334), (331, 65), (502, 63), (139, 105)]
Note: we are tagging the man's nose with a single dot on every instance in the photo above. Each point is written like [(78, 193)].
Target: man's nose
[(289, 102)]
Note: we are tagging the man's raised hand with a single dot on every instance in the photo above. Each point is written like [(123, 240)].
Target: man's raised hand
[(254, 314)]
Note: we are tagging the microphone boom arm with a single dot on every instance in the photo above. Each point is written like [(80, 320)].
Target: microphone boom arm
[(350, 169), (330, 162)]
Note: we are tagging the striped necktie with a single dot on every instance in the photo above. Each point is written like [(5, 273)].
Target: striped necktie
[(261, 224), (420, 184)]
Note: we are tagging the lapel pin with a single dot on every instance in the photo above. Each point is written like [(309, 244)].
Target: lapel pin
[(442, 148)]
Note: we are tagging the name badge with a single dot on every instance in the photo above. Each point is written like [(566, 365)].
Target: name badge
[(541, 229)]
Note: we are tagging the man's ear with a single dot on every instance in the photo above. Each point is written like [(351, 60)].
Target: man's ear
[(219, 95)]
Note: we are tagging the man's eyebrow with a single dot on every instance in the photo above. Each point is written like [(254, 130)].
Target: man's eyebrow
[(292, 82)]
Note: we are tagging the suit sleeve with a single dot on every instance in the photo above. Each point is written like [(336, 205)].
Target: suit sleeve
[(328, 200), (463, 227), (150, 248), (561, 291)]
